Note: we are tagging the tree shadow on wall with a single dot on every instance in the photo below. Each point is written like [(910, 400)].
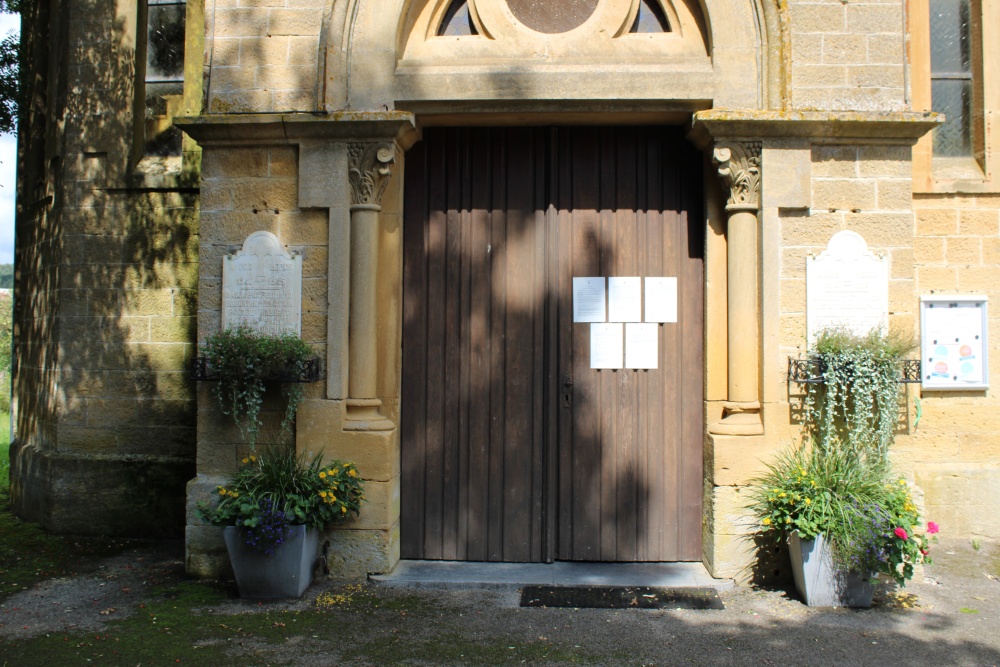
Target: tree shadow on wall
[(106, 292)]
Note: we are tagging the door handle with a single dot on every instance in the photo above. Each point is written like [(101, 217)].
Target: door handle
[(567, 391)]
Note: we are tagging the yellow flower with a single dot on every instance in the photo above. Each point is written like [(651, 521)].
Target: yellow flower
[(222, 491), (808, 501), (322, 474), (335, 471), (766, 521), (322, 494), (814, 482), (353, 473), (343, 510), (776, 490), (253, 458), (902, 482), (788, 519), (246, 460), (234, 494), (333, 498), (782, 495)]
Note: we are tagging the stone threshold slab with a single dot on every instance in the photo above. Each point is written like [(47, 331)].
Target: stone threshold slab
[(512, 576)]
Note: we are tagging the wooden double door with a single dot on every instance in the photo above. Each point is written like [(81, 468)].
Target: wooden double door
[(513, 447)]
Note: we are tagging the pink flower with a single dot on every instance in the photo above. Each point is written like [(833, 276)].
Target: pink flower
[(932, 527), (901, 533), (924, 552)]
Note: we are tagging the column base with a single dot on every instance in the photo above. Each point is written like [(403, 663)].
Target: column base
[(739, 419), (363, 415)]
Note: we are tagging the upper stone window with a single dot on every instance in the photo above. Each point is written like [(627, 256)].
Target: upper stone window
[(650, 18), (457, 21), (951, 76), (163, 78)]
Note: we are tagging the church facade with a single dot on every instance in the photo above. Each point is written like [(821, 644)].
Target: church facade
[(446, 169)]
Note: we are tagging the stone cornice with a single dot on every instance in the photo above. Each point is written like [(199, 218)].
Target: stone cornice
[(293, 128), (862, 127)]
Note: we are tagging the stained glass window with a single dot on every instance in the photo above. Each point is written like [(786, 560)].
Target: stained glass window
[(650, 18), (457, 21), (951, 76)]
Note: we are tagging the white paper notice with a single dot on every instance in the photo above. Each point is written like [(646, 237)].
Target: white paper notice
[(588, 299), (606, 345), (641, 345), (661, 299), (624, 299)]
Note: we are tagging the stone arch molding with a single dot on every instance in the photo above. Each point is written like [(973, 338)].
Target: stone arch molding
[(385, 54)]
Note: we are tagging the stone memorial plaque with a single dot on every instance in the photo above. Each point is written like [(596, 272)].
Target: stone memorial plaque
[(262, 287), (847, 287)]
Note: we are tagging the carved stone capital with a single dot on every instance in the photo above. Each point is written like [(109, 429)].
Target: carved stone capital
[(739, 170), (369, 169)]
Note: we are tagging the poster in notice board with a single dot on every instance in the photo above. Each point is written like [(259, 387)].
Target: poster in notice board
[(953, 342)]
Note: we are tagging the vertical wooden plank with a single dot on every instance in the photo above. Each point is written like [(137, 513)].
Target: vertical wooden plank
[(572, 341), (691, 222), (558, 392), (479, 356), (463, 444), (649, 180), (498, 324), (590, 497), (452, 347), (539, 298), (413, 394), (436, 327), (519, 340), (620, 152)]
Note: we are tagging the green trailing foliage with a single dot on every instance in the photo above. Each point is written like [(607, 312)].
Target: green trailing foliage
[(857, 405), (247, 362), (838, 482)]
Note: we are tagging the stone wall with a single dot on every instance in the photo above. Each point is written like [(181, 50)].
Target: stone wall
[(264, 55), (106, 261), (245, 190), (955, 452)]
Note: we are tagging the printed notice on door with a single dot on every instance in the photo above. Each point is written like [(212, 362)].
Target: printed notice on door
[(606, 345), (661, 300), (641, 345), (624, 299), (588, 299)]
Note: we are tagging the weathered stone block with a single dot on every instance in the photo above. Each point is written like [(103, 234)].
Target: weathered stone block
[(354, 554), (979, 222), (843, 48), (929, 250), (937, 222), (295, 22), (936, 278), (967, 251), (241, 22), (894, 194), (844, 194), (818, 18), (225, 163)]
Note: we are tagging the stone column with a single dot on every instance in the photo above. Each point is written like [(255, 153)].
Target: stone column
[(369, 168), (739, 168)]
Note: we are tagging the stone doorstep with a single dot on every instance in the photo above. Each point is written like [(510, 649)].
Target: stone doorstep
[(512, 576)]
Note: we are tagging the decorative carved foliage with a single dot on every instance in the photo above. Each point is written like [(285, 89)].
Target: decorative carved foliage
[(370, 166), (739, 169)]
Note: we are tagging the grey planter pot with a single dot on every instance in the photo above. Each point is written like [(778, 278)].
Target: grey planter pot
[(819, 583), (284, 574)]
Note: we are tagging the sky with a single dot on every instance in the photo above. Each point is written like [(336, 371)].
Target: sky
[(8, 163)]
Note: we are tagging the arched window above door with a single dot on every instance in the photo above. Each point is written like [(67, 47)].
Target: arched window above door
[(549, 31), (457, 21), (650, 18)]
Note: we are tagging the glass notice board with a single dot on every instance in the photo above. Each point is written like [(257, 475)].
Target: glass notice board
[(953, 342)]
